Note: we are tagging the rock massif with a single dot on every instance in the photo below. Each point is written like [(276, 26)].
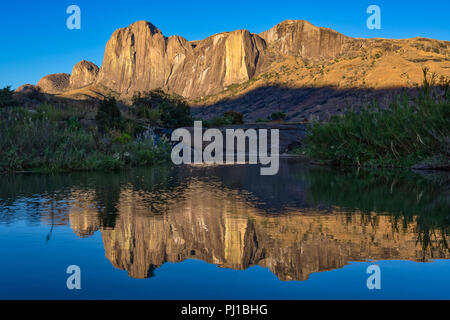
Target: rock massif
[(140, 58), (306, 60)]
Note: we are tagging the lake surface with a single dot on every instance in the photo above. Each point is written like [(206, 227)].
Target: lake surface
[(226, 233)]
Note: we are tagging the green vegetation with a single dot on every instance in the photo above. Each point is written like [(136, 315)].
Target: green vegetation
[(109, 116), (229, 118), (411, 131), (53, 139), (236, 117), (6, 97), (158, 108), (277, 116)]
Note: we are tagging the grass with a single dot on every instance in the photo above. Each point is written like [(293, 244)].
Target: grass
[(43, 142), (411, 131)]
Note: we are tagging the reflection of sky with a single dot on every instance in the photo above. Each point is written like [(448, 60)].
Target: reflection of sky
[(36, 42), (35, 269)]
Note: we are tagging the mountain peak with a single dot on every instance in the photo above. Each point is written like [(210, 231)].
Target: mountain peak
[(142, 25)]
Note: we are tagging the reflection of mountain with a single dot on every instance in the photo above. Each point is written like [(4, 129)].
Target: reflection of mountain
[(204, 221), (303, 220)]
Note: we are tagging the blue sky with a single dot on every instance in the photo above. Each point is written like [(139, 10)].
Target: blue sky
[(35, 40)]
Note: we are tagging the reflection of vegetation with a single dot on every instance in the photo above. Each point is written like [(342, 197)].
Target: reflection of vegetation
[(407, 197), (58, 188)]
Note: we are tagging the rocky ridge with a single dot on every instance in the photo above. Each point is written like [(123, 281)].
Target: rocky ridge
[(293, 54)]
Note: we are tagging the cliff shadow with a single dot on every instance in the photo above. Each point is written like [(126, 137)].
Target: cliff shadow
[(300, 104)]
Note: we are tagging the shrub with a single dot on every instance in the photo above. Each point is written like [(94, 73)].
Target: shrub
[(236, 117), (29, 143), (109, 116), (220, 121), (6, 97), (162, 109), (278, 116), (410, 131)]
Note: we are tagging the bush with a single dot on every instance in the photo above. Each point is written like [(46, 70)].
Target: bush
[(109, 116), (161, 109), (29, 143), (410, 131), (220, 121), (6, 97), (236, 117), (277, 116)]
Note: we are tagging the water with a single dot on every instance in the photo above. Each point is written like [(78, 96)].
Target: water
[(225, 233)]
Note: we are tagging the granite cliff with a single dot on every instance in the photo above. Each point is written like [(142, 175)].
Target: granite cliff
[(317, 65)]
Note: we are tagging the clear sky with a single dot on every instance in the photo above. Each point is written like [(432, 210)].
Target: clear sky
[(35, 40)]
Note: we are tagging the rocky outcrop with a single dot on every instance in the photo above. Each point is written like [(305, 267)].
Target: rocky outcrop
[(54, 83), (216, 63), (227, 66), (27, 89), (84, 73), (140, 58), (300, 38)]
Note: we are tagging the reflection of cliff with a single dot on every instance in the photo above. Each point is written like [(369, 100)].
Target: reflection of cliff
[(216, 225), (83, 214)]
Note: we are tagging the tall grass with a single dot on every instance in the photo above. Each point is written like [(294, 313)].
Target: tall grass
[(36, 142), (411, 130)]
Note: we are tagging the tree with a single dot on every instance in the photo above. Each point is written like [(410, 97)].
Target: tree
[(6, 97), (160, 108), (109, 116), (236, 117), (278, 116)]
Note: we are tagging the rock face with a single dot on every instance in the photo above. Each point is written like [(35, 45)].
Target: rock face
[(140, 58), (300, 38), (84, 73), (54, 83), (306, 71), (217, 62)]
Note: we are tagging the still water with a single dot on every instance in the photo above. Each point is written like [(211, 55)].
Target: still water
[(226, 233)]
